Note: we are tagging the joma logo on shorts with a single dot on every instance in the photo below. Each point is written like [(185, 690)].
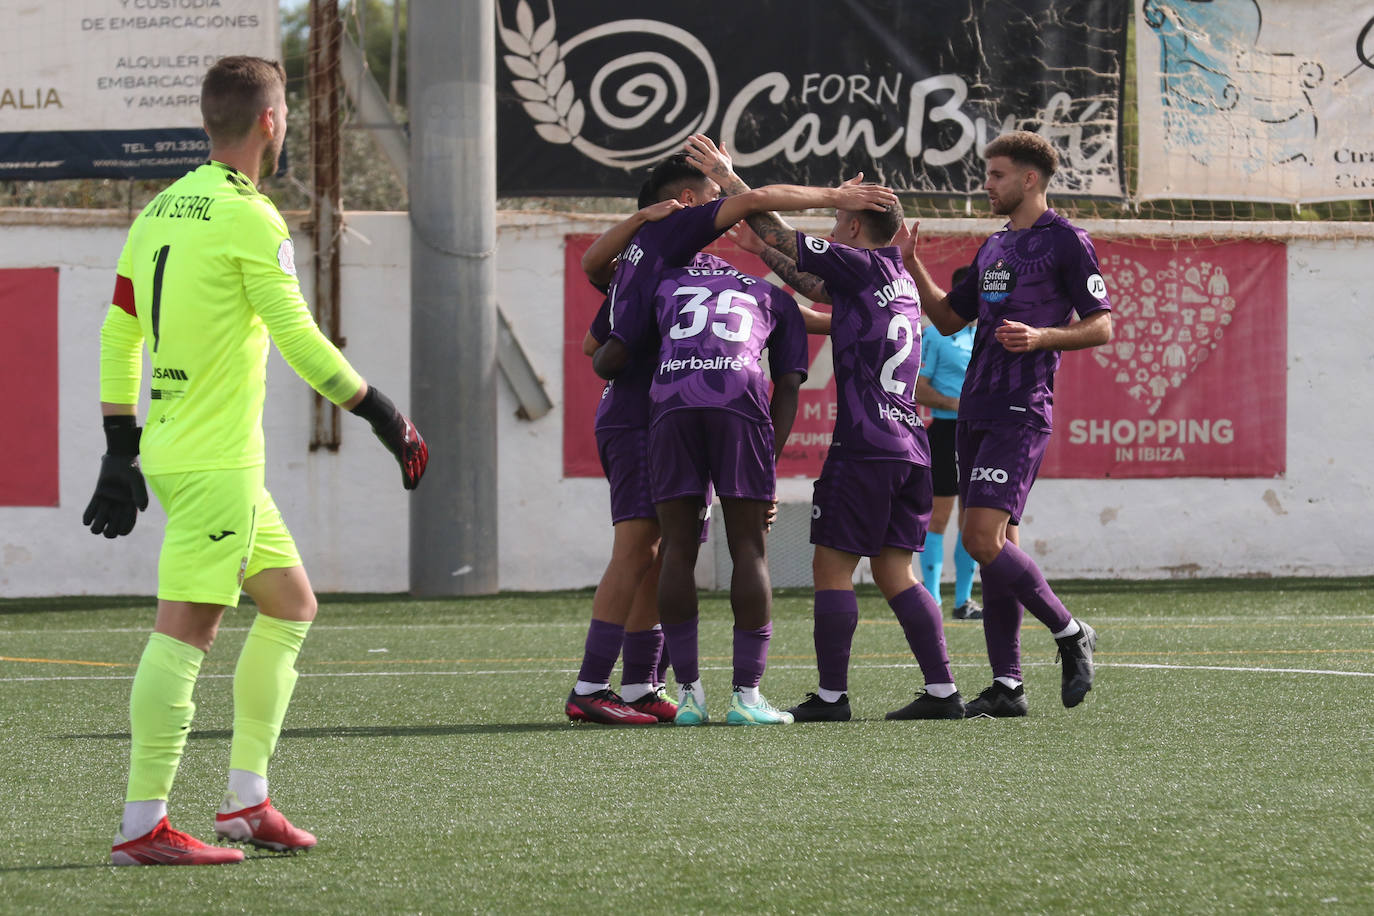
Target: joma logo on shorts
[(996, 475)]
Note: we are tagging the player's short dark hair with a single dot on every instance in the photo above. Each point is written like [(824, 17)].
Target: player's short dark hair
[(234, 92), (669, 178), (958, 276), (881, 225), (1027, 150)]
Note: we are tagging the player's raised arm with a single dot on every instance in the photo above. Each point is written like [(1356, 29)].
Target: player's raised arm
[(808, 284), (850, 195), (598, 261), (934, 300)]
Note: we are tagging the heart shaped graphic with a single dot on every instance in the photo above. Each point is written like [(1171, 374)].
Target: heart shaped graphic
[(1167, 321)]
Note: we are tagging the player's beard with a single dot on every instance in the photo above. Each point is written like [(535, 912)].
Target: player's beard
[(270, 156), (1005, 205)]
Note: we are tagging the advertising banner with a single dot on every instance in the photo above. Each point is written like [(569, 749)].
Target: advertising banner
[(28, 370), (1192, 384), (111, 88), (1264, 100), (590, 94)]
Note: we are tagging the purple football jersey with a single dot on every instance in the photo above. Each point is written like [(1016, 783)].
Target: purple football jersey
[(713, 326), (875, 340), (1038, 276), (625, 399)]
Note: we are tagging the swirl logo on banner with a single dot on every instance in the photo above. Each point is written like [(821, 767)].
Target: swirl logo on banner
[(536, 60)]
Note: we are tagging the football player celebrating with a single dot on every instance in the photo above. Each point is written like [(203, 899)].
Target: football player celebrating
[(1027, 282), (874, 495)]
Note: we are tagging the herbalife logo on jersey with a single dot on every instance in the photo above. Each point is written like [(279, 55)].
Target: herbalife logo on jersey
[(997, 282), (697, 364), (897, 414)]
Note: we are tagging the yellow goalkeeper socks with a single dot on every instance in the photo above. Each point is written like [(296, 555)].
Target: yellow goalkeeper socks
[(263, 681), (160, 713)]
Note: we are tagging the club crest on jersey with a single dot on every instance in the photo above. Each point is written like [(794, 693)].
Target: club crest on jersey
[(286, 257), (997, 281), (820, 246)]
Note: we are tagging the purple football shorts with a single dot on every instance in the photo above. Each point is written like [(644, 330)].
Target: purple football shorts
[(625, 459), (860, 507), (998, 464), (692, 449)]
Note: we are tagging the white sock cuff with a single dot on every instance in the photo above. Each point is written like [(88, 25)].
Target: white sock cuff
[(1071, 630), (140, 817)]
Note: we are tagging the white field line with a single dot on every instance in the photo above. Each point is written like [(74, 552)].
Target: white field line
[(323, 626), (528, 672)]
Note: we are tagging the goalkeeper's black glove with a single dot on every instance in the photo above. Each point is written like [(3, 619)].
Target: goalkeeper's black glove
[(119, 492), (397, 433)]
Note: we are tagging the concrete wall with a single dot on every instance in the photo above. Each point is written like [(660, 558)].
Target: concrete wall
[(347, 509)]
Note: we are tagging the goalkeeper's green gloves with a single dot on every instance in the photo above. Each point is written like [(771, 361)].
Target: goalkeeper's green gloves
[(397, 433), (119, 491)]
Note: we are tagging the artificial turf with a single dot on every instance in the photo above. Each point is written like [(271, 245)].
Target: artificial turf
[(1221, 763)]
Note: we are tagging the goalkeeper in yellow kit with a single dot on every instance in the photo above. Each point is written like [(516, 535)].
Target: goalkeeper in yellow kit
[(206, 275)]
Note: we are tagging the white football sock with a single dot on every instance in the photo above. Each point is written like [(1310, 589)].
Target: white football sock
[(140, 817), (246, 789), (830, 696), (631, 692), (697, 691), (1071, 630), (585, 688), (941, 690), (1011, 682), (749, 696)]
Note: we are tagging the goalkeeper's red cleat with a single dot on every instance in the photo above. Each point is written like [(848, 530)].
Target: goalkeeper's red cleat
[(165, 846), (264, 827)]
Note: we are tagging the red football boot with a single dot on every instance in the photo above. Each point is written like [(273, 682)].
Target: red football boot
[(605, 707), (264, 827), (165, 846), (656, 704)]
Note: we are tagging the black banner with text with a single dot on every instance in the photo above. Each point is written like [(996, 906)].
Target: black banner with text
[(591, 94)]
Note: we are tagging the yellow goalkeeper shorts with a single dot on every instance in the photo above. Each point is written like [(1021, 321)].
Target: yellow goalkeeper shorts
[(222, 528)]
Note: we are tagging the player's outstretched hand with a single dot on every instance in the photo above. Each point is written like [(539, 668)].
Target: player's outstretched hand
[(905, 239), (397, 433), (120, 493), (855, 195), (709, 159)]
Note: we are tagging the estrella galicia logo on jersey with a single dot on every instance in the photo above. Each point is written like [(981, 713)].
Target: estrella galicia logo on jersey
[(820, 246), (997, 281), (286, 257), (160, 372), (1097, 287), (222, 535)]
